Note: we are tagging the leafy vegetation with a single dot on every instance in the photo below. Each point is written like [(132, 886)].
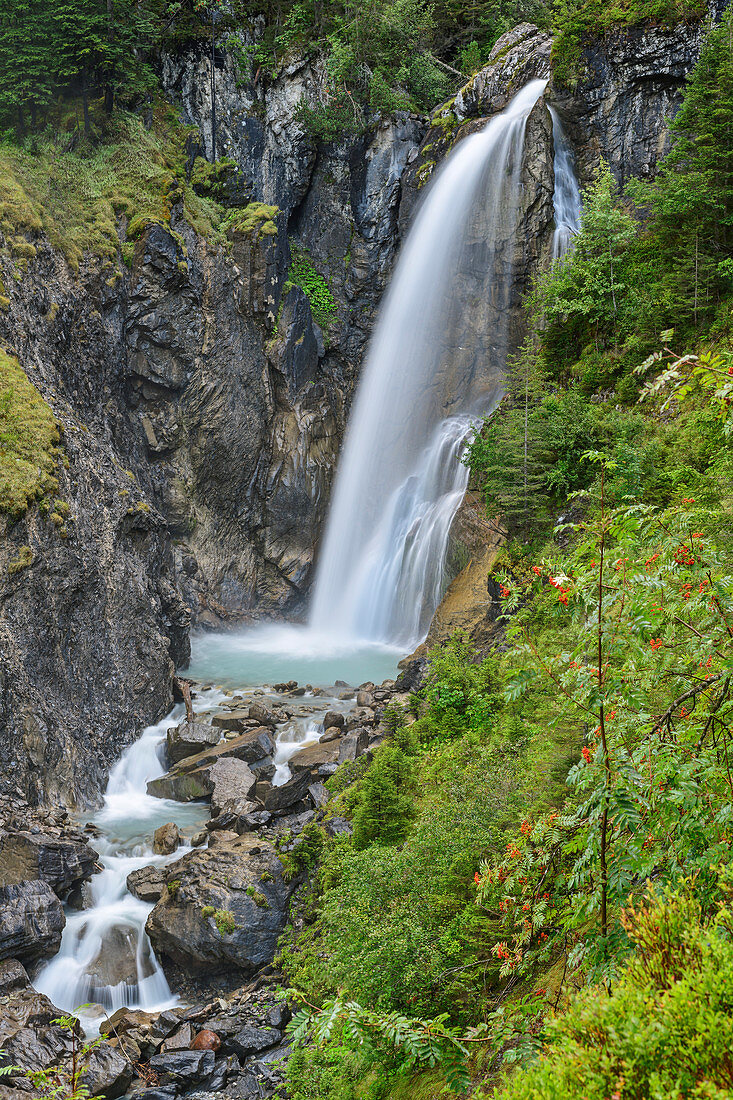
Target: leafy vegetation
[(302, 273)]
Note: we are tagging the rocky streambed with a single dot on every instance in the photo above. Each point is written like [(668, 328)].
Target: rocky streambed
[(161, 914)]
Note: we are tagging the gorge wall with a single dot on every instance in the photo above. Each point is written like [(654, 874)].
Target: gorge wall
[(202, 406)]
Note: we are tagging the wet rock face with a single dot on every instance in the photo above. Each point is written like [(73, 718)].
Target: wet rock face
[(59, 861), (629, 91), (31, 921)]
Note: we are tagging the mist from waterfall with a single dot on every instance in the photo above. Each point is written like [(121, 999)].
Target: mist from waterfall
[(400, 478)]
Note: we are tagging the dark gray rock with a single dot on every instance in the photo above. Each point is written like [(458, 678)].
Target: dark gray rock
[(185, 1067), (190, 738), (62, 863), (29, 1038), (108, 1073), (280, 799), (146, 883), (252, 1040), (629, 91), (242, 880), (333, 718), (31, 921)]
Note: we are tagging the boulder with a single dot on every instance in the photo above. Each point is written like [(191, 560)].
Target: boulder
[(108, 1073), (237, 720), (184, 1067), (190, 779), (240, 881), (333, 718), (166, 839), (280, 799), (364, 699), (146, 883), (331, 733), (251, 1040), (30, 1039), (31, 921), (206, 1040), (232, 782), (182, 1039), (190, 738), (12, 977), (353, 745), (62, 863), (263, 715), (119, 959), (314, 756), (319, 795)]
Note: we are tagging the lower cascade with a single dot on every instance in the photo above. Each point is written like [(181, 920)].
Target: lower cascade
[(380, 575)]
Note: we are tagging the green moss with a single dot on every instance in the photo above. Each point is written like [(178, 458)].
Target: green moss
[(259, 899), (28, 440), (257, 220), (424, 173), (23, 560), (22, 249), (75, 197), (208, 911), (173, 887), (224, 920)]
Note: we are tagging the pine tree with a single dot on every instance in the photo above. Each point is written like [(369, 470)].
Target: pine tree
[(505, 456), (26, 61), (385, 807)]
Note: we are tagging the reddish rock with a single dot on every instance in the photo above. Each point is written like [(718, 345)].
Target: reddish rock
[(206, 1040)]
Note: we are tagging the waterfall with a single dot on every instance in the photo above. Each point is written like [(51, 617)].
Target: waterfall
[(566, 198), (427, 375)]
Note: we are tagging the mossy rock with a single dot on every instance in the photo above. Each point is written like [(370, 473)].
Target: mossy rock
[(23, 560), (256, 220), (28, 440)]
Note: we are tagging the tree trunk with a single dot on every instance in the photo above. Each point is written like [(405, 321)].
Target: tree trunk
[(85, 104), (213, 91), (109, 89)]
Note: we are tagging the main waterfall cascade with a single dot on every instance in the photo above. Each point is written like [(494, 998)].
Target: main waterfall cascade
[(400, 478), (380, 576)]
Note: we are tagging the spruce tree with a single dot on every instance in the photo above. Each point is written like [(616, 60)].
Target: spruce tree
[(386, 807)]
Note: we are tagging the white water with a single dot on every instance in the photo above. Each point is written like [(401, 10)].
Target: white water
[(400, 478), (566, 197), (105, 956)]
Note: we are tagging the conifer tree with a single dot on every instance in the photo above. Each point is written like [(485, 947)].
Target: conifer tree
[(385, 808)]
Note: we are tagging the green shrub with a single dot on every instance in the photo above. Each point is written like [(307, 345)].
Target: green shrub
[(302, 273), (666, 1029)]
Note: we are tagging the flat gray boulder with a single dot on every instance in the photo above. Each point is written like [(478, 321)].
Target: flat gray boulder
[(190, 738), (63, 864)]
